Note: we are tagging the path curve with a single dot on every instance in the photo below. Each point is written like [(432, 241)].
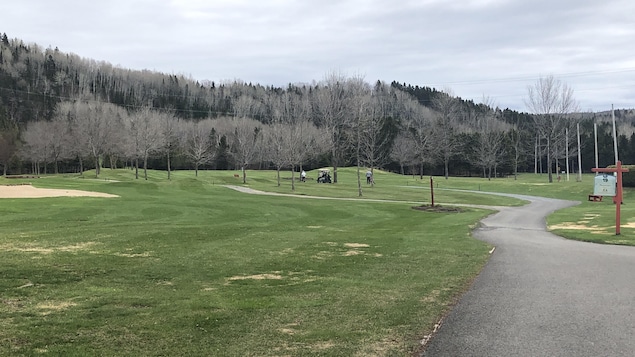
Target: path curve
[(539, 294), (542, 295)]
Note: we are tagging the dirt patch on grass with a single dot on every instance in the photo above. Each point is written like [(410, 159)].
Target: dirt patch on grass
[(437, 208), (577, 226), (432, 297), (356, 245), (28, 191), (380, 348), (352, 249), (49, 307), (257, 277), (33, 248), (12, 304), (288, 331)]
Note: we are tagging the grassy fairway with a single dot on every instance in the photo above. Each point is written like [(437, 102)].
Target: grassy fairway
[(190, 268)]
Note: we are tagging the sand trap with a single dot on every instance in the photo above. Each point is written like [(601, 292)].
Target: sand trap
[(28, 191)]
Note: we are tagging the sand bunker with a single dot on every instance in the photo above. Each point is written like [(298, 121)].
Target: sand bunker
[(28, 191)]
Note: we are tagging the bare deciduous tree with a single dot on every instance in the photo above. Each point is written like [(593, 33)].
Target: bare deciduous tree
[(377, 132), (333, 110), (418, 128), (551, 100), (305, 140), (169, 133), (35, 145), (58, 141), (150, 138), (276, 146), (198, 146), (402, 152), (46, 142), (489, 148), (444, 131), (97, 124), (489, 133), (245, 141)]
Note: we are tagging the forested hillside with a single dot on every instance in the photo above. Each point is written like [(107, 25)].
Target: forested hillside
[(62, 112)]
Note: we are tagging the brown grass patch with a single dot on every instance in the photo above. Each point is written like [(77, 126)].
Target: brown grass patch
[(287, 251), (356, 245), (379, 348), (33, 248), (432, 297), (576, 226), (12, 304), (257, 277), (352, 252), (323, 345), (53, 306)]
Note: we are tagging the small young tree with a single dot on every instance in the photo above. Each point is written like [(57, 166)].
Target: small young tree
[(402, 151), (444, 130), (35, 147), (304, 141), (169, 133), (151, 138), (197, 145), (246, 141), (275, 140)]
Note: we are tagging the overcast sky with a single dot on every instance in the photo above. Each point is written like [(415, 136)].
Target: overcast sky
[(475, 48)]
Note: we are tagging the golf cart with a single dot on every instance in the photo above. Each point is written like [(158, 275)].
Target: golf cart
[(324, 176)]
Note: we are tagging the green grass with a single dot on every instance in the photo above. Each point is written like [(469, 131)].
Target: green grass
[(188, 267)]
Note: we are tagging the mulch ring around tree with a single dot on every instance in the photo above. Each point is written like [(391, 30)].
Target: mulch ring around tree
[(437, 208)]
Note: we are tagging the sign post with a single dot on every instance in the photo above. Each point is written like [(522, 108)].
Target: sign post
[(617, 199)]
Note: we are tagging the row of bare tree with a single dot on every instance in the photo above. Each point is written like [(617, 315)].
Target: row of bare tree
[(96, 131), (344, 118)]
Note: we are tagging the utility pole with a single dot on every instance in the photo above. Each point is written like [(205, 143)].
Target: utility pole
[(595, 136), (566, 134), (579, 156), (614, 133)]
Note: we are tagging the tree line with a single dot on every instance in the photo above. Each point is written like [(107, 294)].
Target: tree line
[(60, 112)]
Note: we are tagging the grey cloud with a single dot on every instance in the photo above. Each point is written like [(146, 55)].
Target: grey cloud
[(477, 47)]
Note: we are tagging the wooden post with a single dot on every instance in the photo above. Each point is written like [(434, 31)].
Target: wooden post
[(432, 191), (618, 199)]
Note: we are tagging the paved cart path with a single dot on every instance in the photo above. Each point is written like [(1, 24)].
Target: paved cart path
[(542, 295), (539, 294)]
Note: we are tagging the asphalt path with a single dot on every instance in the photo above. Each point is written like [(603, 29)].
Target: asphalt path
[(542, 295)]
